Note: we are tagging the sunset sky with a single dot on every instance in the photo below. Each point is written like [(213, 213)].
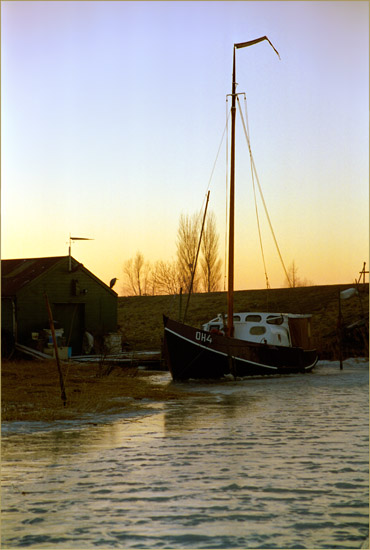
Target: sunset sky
[(112, 114)]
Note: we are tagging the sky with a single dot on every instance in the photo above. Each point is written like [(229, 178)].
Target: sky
[(113, 113)]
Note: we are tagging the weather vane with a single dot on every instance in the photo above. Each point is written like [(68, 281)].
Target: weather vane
[(71, 239)]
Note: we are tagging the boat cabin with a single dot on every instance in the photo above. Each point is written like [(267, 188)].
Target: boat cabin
[(277, 329)]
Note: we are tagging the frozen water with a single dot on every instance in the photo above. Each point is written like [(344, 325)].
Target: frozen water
[(258, 463)]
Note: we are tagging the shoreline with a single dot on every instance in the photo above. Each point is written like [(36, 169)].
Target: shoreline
[(31, 393)]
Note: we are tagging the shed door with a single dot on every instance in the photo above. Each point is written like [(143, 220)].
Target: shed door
[(71, 317)]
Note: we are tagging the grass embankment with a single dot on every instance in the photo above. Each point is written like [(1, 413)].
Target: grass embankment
[(30, 390), (140, 317)]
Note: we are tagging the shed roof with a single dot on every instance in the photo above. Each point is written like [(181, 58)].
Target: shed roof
[(16, 274)]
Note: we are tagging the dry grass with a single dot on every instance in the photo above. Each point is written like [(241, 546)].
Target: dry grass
[(30, 390)]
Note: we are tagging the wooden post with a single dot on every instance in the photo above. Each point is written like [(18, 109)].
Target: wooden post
[(180, 304), (363, 273), (51, 323), (340, 324)]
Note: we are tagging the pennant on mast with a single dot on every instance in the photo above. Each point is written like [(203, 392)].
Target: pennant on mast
[(255, 41)]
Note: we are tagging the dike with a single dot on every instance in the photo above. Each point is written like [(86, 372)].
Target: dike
[(140, 317)]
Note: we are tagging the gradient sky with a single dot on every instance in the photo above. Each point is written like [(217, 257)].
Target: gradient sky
[(112, 114)]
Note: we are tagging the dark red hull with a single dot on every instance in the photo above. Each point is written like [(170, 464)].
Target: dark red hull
[(194, 353)]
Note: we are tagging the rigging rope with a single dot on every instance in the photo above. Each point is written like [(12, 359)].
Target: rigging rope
[(210, 178), (226, 131), (214, 164), (255, 196), (253, 166)]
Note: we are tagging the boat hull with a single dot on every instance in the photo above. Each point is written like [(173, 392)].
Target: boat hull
[(194, 353)]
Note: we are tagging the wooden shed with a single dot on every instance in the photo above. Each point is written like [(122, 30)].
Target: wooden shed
[(79, 301)]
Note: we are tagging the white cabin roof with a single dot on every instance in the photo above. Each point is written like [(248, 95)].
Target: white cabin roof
[(263, 315)]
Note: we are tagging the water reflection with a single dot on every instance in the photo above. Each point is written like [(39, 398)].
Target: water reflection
[(207, 411), (74, 437)]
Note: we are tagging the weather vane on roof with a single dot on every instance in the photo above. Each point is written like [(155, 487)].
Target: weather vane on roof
[(72, 239)]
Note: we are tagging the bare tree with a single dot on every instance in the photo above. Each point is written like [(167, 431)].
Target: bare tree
[(137, 275), (291, 275), (187, 244), (165, 277), (140, 278), (210, 262), (293, 280)]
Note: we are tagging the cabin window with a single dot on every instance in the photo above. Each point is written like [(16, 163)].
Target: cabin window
[(214, 327), (253, 318), (257, 331), (236, 317), (272, 320)]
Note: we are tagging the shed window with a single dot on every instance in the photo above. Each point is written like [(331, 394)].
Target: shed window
[(253, 318), (75, 287), (257, 331)]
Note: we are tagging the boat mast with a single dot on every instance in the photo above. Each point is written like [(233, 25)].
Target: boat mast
[(230, 288), (230, 292)]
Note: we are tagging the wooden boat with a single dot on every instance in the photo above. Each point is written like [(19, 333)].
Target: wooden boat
[(242, 344), (209, 353)]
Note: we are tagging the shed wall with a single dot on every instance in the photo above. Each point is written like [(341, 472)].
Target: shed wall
[(82, 302), (8, 326), (7, 315)]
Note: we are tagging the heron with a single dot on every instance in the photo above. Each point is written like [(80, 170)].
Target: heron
[(113, 282)]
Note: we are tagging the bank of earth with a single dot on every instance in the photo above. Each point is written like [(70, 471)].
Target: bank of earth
[(140, 317)]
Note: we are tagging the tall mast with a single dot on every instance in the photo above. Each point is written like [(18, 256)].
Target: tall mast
[(230, 293), (230, 288)]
